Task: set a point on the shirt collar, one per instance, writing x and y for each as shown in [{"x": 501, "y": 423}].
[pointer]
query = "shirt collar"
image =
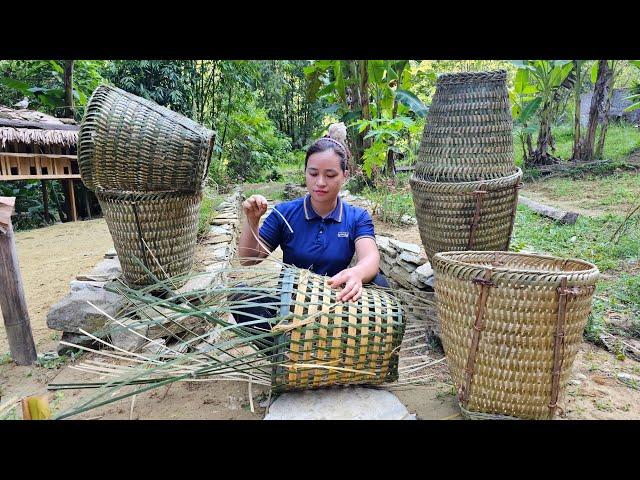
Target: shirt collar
[{"x": 310, "y": 213}]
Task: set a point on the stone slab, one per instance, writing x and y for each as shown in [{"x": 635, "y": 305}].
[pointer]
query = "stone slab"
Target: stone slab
[{"x": 339, "y": 403}]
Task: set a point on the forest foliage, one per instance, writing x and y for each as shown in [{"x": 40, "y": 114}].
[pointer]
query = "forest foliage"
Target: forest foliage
[{"x": 266, "y": 112}]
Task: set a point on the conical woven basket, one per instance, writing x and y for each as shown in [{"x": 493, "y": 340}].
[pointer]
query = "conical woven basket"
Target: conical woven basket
[
  {"x": 511, "y": 326},
  {"x": 131, "y": 144},
  {"x": 468, "y": 132},
  {"x": 159, "y": 229},
  {"x": 329, "y": 343},
  {"x": 466, "y": 215}
]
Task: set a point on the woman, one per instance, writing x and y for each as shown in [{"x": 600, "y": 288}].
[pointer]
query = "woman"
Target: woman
[{"x": 319, "y": 232}]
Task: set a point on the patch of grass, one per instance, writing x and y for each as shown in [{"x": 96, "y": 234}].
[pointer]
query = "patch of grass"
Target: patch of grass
[
  {"x": 588, "y": 239},
  {"x": 622, "y": 139},
  {"x": 391, "y": 204},
  {"x": 208, "y": 206},
  {"x": 271, "y": 191},
  {"x": 619, "y": 190},
  {"x": 5, "y": 359}
]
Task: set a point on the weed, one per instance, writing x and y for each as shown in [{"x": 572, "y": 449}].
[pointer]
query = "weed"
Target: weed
[
  {"x": 5, "y": 359},
  {"x": 603, "y": 405}
]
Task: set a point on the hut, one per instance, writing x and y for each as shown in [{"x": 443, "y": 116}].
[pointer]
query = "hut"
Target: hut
[{"x": 37, "y": 146}]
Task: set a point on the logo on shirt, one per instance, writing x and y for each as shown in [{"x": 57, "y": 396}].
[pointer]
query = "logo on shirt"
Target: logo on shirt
[{"x": 343, "y": 234}]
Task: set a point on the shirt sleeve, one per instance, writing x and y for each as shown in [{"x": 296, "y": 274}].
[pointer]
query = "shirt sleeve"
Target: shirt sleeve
[
  {"x": 271, "y": 231},
  {"x": 364, "y": 227}
]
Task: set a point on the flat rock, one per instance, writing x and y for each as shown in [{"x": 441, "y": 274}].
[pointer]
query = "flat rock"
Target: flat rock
[
  {"x": 111, "y": 253},
  {"x": 108, "y": 269},
  {"x": 73, "y": 312},
  {"x": 214, "y": 239},
  {"x": 339, "y": 403},
  {"x": 125, "y": 339},
  {"x": 413, "y": 258},
  {"x": 425, "y": 274},
  {"x": 400, "y": 246},
  {"x": 383, "y": 245},
  {"x": 76, "y": 339},
  {"x": 220, "y": 230}
]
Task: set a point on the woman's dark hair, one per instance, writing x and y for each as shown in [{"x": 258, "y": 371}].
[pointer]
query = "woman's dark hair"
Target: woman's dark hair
[{"x": 328, "y": 143}]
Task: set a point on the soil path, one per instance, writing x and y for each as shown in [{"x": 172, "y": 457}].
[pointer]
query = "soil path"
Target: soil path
[{"x": 49, "y": 259}]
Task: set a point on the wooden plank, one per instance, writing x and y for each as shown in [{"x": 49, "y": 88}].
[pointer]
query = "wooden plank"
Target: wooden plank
[
  {"x": 5, "y": 122},
  {"x": 12, "y": 299},
  {"x": 39, "y": 177},
  {"x": 72, "y": 200},
  {"x": 42, "y": 155},
  {"x": 548, "y": 211}
]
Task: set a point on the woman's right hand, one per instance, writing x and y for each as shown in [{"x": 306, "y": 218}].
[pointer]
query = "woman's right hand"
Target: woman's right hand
[{"x": 254, "y": 207}]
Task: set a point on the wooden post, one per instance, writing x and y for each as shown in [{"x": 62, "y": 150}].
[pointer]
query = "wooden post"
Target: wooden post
[
  {"x": 12, "y": 301},
  {"x": 71, "y": 200},
  {"x": 45, "y": 201}
]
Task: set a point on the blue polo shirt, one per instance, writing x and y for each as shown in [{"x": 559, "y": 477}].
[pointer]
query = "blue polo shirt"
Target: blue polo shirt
[{"x": 322, "y": 245}]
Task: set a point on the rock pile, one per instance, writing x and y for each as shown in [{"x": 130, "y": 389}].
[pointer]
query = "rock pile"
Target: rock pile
[{"x": 73, "y": 312}]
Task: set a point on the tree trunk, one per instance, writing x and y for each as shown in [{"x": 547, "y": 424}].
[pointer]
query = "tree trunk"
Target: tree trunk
[
  {"x": 540, "y": 156},
  {"x": 226, "y": 122},
  {"x": 575, "y": 155},
  {"x": 605, "y": 121},
  {"x": 69, "y": 110},
  {"x": 596, "y": 101},
  {"x": 364, "y": 100}
]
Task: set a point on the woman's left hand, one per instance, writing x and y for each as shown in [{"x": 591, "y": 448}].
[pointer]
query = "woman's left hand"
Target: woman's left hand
[{"x": 352, "y": 281}]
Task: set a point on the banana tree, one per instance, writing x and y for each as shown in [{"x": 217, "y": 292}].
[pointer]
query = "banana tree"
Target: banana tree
[
  {"x": 524, "y": 105},
  {"x": 548, "y": 76},
  {"x": 368, "y": 95}
]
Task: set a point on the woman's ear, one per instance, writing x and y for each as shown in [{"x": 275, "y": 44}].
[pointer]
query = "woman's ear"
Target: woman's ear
[{"x": 346, "y": 174}]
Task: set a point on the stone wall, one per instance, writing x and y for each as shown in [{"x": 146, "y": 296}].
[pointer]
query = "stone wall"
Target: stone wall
[{"x": 73, "y": 313}]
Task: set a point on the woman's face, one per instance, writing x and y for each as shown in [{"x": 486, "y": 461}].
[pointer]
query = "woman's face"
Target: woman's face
[{"x": 324, "y": 176}]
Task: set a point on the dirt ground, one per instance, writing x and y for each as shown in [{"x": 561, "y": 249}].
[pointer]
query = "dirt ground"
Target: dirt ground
[{"x": 50, "y": 257}]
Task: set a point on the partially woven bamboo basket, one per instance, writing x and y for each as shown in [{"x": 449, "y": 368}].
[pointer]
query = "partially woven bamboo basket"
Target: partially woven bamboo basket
[
  {"x": 158, "y": 228},
  {"x": 466, "y": 215},
  {"x": 468, "y": 132},
  {"x": 131, "y": 144},
  {"x": 511, "y": 326},
  {"x": 328, "y": 343}
]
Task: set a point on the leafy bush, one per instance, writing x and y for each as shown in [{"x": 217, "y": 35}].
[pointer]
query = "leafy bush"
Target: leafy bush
[
  {"x": 29, "y": 209},
  {"x": 254, "y": 144}
]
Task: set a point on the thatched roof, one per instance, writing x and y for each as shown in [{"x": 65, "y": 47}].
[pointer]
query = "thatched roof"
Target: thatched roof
[{"x": 32, "y": 127}]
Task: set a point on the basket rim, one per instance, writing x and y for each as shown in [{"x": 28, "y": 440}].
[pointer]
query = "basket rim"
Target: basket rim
[
  {"x": 480, "y": 76},
  {"x": 447, "y": 257},
  {"x": 166, "y": 112},
  {"x": 505, "y": 178}
]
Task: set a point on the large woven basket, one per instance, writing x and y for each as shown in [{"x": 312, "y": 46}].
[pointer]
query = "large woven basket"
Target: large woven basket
[
  {"x": 511, "y": 326},
  {"x": 466, "y": 215},
  {"x": 159, "y": 229},
  {"x": 131, "y": 144},
  {"x": 468, "y": 132},
  {"x": 329, "y": 343}
]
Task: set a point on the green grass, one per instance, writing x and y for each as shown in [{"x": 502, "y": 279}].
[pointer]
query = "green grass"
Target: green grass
[
  {"x": 210, "y": 202},
  {"x": 271, "y": 190},
  {"x": 588, "y": 239},
  {"x": 616, "y": 193},
  {"x": 390, "y": 205},
  {"x": 617, "y": 292},
  {"x": 622, "y": 139}
]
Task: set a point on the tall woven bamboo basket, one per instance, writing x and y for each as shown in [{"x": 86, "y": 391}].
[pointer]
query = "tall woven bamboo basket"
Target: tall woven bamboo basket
[
  {"x": 466, "y": 215},
  {"x": 468, "y": 132},
  {"x": 158, "y": 228},
  {"x": 328, "y": 343},
  {"x": 131, "y": 144},
  {"x": 511, "y": 326}
]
